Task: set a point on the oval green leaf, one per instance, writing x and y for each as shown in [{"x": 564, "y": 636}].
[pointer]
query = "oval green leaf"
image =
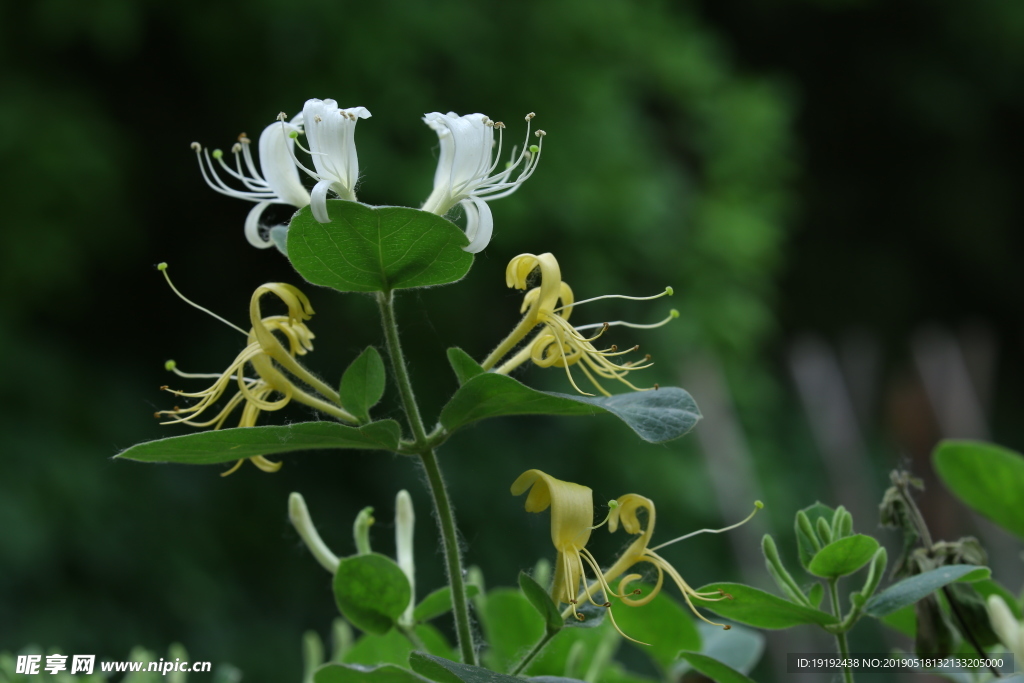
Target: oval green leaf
[
  {"x": 439, "y": 602},
  {"x": 362, "y": 385},
  {"x": 511, "y": 626},
  {"x": 656, "y": 416},
  {"x": 986, "y": 477},
  {"x": 910, "y": 590},
  {"x": 228, "y": 445},
  {"x": 713, "y": 669},
  {"x": 843, "y": 557},
  {"x": 371, "y": 591},
  {"x": 757, "y": 608},
  {"x": 377, "y": 249}
]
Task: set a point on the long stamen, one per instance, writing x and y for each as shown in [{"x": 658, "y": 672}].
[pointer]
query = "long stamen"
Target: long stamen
[
  {"x": 570, "y": 595},
  {"x": 758, "y": 505},
  {"x": 162, "y": 267},
  {"x": 561, "y": 350},
  {"x": 672, "y": 315},
  {"x": 173, "y": 367},
  {"x": 668, "y": 292},
  {"x": 685, "y": 589}
]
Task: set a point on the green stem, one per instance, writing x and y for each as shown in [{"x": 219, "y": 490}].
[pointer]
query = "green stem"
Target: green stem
[
  {"x": 844, "y": 647},
  {"x": 438, "y": 492},
  {"x": 532, "y": 654}
]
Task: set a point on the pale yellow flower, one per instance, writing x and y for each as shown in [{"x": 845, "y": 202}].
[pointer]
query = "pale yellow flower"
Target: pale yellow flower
[
  {"x": 572, "y": 512},
  {"x": 572, "y": 519},
  {"x": 271, "y": 389},
  {"x": 557, "y": 343}
]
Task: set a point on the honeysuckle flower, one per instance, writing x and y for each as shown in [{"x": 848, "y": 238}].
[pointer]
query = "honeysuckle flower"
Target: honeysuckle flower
[
  {"x": 279, "y": 182},
  {"x": 557, "y": 343},
  {"x": 572, "y": 518},
  {"x": 1006, "y": 626},
  {"x": 330, "y": 132},
  {"x": 466, "y": 170},
  {"x": 298, "y": 514},
  {"x": 625, "y": 512},
  {"x": 265, "y": 354},
  {"x": 405, "y": 523}
]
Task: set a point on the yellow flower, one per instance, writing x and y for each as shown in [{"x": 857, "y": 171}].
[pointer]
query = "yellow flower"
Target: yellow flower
[
  {"x": 557, "y": 343},
  {"x": 625, "y": 512},
  {"x": 266, "y": 355},
  {"x": 572, "y": 512},
  {"x": 572, "y": 518}
]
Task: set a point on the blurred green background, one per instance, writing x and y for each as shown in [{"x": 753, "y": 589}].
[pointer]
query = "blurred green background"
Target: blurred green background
[{"x": 831, "y": 187}]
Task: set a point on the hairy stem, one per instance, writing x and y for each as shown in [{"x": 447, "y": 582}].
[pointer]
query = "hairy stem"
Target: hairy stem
[{"x": 438, "y": 492}]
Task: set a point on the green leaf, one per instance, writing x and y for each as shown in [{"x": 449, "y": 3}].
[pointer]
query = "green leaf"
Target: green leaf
[
  {"x": 394, "y": 647},
  {"x": 816, "y": 593},
  {"x": 362, "y": 385},
  {"x": 713, "y": 669},
  {"x": 757, "y": 608},
  {"x": 377, "y": 249},
  {"x": 903, "y": 620},
  {"x": 371, "y": 649},
  {"x": 355, "y": 673},
  {"x": 446, "y": 671},
  {"x": 371, "y": 591},
  {"x": 662, "y": 623},
  {"x": 439, "y": 602},
  {"x": 463, "y": 364},
  {"x": 806, "y": 537},
  {"x": 656, "y": 415},
  {"x": 739, "y": 647},
  {"x": 511, "y": 626},
  {"x": 843, "y": 557},
  {"x": 228, "y": 445},
  {"x": 910, "y": 590},
  {"x": 986, "y": 477},
  {"x": 541, "y": 602}
]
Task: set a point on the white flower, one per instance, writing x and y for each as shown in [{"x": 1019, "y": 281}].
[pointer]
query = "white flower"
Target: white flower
[
  {"x": 330, "y": 132},
  {"x": 464, "y": 169},
  {"x": 278, "y": 184},
  {"x": 1005, "y": 624}
]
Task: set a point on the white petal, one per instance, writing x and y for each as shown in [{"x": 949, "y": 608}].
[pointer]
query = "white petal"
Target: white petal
[
  {"x": 1003, "y": 622},
  {"x": 252, "y": 227},
  {"x": 278, "y": 164},
  {"x": 330, "y": 132},
  {"x": 479, "y": 224},
  {"x": 318, "y": 201}
]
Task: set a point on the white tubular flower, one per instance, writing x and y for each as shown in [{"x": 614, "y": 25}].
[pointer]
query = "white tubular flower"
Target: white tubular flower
[
  {"x": 278, "y": 184},
  {"x": 330, "y": 132},
  {"x": 465, "y": 167},
  {"x": 1006, "y": 626},
  {"x": 405, "y": 522}
]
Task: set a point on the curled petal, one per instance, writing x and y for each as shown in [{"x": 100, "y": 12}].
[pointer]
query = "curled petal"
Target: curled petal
[
  {"x": 318, "y": 201},
  {"x": 252, "y": 227},
  {"x": 572, "y": 506},
  {"x": 479, "y": 224}
]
